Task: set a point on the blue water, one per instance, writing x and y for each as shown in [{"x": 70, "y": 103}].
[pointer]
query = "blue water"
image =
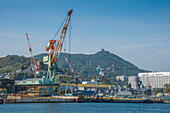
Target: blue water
[{"x": 85, "y": 108}]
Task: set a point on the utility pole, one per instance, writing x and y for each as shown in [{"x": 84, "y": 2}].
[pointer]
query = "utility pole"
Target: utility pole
[
  {"x": 124, "y": 71},
  {"x": 113, "y": 69},
  {"x": 90, "y": 68},
  {"x": 98, "y": 85}
]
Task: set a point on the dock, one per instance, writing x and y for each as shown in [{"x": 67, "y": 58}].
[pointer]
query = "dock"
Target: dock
[{"x": 75, "y": 99}]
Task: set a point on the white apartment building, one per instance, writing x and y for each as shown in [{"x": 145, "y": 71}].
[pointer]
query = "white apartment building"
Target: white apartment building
[{"x": 156, "y": 79}]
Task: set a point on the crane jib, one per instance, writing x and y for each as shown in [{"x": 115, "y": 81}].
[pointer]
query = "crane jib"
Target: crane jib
[{"x": 58, "y": 48}]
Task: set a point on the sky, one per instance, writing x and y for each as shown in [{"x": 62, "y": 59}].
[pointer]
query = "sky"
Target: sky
[{"x": 136, "y": 30}]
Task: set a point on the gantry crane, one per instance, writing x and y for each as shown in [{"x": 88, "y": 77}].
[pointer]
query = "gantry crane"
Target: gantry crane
[
  {"x": 35, "y": 65},
  {"x": 76, "y": 78},
  {"x": 55, "y": 49},
  {"x": 68, "y": 78}
]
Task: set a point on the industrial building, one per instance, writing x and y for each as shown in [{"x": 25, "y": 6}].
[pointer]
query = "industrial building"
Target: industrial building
[
  {"x": 8, "y": 84},
  {"x": 39, "y": 90},
  {"x": 155, "y": 79},
  {"x": 37, "y": 87}
]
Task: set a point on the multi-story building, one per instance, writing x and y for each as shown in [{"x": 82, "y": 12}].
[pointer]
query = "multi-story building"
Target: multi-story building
[
  {"x": 131, "y": 80},
  {"x": 155, "y": 79}
]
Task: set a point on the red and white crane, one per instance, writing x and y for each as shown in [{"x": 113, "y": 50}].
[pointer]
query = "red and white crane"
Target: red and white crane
[
  {"x": 55, "y": 48},
  {"x": 35, "y": 65},
  {"x": 31, "y": 55},
  {"x": 69, "y": 64},
  {"x": 102, "y": 72}
]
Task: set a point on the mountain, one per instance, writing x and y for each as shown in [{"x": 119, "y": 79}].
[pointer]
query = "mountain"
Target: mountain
[
  {"x": 12, "y": 63},
  {"x": 18, "y": 67},
  {"x": 85, "y": 65}
]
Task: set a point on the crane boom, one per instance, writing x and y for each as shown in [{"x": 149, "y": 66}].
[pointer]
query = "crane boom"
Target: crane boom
[
  {"x": 58, "y": 48},
  {"x": 102, "y": 73}
]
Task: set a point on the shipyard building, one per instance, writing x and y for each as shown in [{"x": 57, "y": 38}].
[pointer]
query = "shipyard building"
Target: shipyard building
[
  {"x": 39, "y": 87},
  {"x": 156, "y": 79}
]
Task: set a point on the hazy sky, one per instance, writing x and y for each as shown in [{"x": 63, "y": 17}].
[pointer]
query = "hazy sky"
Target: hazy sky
[{"x": 136, "y": 30}]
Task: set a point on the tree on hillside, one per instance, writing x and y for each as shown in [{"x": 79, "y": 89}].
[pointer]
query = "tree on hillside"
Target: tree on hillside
[{"x": 166, "y": 88}]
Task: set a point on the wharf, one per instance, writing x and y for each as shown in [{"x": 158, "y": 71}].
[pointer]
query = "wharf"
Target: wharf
[
  {"x": 121, "y": 100},
  {"x": 29, "y": 99},
  {"x": 72, "y": 99}
]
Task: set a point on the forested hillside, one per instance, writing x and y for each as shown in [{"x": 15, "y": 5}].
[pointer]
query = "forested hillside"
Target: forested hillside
[{"x": 85, "y": 65}]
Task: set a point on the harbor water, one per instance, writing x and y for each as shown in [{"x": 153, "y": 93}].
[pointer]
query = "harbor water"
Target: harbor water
[{"x": 85, "y": 108}]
